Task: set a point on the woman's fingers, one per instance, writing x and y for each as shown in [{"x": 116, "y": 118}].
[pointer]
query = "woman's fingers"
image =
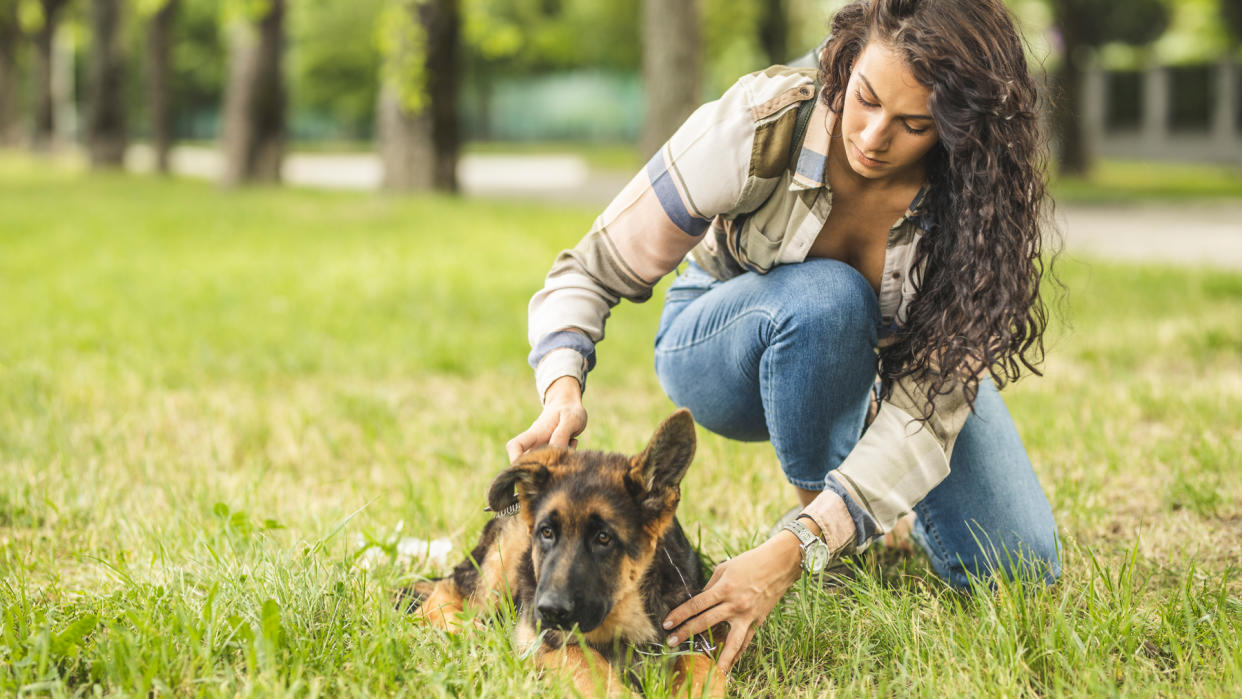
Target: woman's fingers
[
  {"x": 694, "y": 606},
  {"x": 557, "y": 426},
  {"x": 565, "y": 431},
  {"x": 735, "y": 643},
  {"x": 526, "y": 441},
  {"x": 704, "y": 621}
]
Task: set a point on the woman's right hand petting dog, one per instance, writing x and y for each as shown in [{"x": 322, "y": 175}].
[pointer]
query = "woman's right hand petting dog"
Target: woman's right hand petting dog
[{"x": 563, "y": 418}]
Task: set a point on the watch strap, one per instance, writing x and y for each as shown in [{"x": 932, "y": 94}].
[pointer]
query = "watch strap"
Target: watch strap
[{"x": 805, "y": 537}]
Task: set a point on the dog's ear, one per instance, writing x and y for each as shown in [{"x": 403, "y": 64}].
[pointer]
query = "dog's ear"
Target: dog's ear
[
  {"x": 527, "y": 476},
  {"x": 662, "y": 464}
]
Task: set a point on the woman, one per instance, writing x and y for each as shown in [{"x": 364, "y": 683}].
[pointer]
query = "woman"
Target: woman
[{"x": 898, "y": 216}]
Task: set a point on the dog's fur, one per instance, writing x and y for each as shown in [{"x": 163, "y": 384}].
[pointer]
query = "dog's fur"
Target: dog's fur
[{"x": 594, "y": 554}]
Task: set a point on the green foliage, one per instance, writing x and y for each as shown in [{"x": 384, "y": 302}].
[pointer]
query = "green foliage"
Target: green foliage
[
  {"x": 334, "y": 61},
  {"x": 247, "y": 11},
  {"x": 730, "y": 42},
  {"x": 525, "y": 36},
  {"x": 402, "y": 42},
  {"x": 1098, "y": 22},
  {"x": 144, "y": 9}
]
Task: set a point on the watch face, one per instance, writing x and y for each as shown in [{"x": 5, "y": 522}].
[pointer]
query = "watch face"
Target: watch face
[{"x": 816, "y": 556}]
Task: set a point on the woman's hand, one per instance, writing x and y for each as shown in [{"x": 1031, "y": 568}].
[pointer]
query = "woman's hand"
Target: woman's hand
[
  {"x": 742, "y": 591},
  {"x": 562, "y": 420}
]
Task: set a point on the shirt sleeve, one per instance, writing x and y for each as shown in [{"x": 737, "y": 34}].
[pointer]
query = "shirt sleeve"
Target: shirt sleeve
[
  {"x": 642, "y": 235},
  {"x": 899, "y": 460}
]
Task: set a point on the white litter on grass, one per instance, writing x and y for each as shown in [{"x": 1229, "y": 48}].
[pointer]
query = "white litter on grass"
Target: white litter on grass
[{"x": 408, "y": 552}]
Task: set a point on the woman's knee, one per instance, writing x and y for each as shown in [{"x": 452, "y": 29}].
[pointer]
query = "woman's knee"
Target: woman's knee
[{"x": 827, "y": 299}]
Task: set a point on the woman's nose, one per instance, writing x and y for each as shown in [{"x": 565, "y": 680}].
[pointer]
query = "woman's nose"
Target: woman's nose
[{"x": 875, "y": 136}]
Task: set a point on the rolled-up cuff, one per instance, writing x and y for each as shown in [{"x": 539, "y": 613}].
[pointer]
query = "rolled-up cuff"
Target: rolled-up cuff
[
  {"x": 558, "y": 363},
  {"x": 563, "y": 339},
  {"x": 865, "y": 528}
]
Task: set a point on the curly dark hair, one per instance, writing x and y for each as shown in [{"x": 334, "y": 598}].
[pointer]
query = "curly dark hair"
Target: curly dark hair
[{"x": 978, "y": 306}]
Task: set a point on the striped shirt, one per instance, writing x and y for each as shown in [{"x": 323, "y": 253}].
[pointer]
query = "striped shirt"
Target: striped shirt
[{"x": 726, "y": 192}]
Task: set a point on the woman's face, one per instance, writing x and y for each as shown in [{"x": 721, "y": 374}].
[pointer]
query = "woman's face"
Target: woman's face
[{"x": 886, "y": 125}]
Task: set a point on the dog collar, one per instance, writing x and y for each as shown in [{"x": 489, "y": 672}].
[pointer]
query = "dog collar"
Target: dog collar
[{"x": 509, "y": 511}]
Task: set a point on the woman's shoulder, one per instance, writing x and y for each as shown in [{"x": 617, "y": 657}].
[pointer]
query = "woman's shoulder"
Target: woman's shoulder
[{"x": 769, "y": 91}]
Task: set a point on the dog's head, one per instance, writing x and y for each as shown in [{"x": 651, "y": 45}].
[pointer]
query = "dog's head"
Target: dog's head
[{"x": 595, "y": 519}]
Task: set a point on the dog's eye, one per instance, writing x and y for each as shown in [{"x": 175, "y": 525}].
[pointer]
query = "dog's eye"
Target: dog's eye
[
  {"x": 546, "y": 532},
  {"x": 603, "y": 538}
]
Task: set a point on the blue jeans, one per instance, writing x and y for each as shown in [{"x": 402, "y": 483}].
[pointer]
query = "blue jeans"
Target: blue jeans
[{"x": 790, "y": 357}]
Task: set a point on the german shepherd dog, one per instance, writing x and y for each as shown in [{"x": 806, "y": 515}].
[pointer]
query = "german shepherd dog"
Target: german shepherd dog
[{"x": 589, "y": 546}]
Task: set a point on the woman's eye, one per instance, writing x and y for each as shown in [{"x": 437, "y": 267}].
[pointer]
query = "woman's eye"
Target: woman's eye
[
  {"x": 603, "y": 539},
  {"x": 546, "y": 532},
  {"x": 911, "y": 129},
  {"x": 863, "y": 102}
]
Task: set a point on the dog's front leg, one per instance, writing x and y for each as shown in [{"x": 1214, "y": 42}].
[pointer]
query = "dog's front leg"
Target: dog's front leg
[
  {"x": 586, "y": 668},
  {"x": 699, "y": 675},
  {"x": 442, "y": 606}
]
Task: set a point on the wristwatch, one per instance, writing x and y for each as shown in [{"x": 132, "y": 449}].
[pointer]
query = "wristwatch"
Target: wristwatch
[{"x": 815, "y": 553}]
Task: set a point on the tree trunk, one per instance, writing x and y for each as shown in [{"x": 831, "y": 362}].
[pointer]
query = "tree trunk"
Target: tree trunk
[
  {"x": 10, "y": 33},
  {"x": 442, "y": 20},
  {"x": 774, "y": 31},
  {"x": 419, "y": 151},
  {"x": 254, "y": 103},
  {"x": 405, "y": 144},
  {"x": 159, "y": 71},
  {"x": 105, "y": 116},
  {"x": 45, "y": 103},
  {"x": 1073, "y": 150},
  {"x": 671, "y": 68}
]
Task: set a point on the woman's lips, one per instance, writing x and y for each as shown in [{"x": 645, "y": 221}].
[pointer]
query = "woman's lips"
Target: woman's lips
[{"x": 869, "y": 162}]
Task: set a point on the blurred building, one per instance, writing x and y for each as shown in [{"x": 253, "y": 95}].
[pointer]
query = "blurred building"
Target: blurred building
[{"x": 1166, "y": 112}]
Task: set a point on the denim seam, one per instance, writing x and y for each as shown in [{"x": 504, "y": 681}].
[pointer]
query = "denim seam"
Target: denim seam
[
  {"x": 698, "y": 341},
  {"x": 940, "y": 555},
  {"x": 770, "y": 407}
]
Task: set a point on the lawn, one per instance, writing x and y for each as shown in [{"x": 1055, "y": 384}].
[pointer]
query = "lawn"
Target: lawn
[{"x": 211, "y": 401}]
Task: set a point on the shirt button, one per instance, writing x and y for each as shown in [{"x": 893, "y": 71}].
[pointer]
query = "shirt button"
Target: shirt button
[
  {"x": 887, "y": 319},
  {"x": 896, "y": 275}
]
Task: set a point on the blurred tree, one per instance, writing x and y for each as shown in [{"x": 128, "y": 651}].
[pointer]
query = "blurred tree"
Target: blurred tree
[
  {"x": 334, "y": 61},
  {"x": 1231, "y": 13},
  {"x": 417, "y": 114},
  {"x": 198, "y": 70},
  {"x": 774, "y": 31},
  {"x": 253, "y": 131},
  {"x": 106, "y": 135},
  {"x": 510, "y": 38},
  {"x": 44, "y": 15},
  {"x": 158, "y": 16},
  {"x": 1084, "y": 25},
  {"x": 672, "y": 67},
  {"x": 10, "y": 34}
]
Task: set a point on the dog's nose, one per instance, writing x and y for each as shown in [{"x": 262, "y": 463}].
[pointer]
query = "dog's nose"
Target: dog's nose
[{"x": 555, "y": 611}]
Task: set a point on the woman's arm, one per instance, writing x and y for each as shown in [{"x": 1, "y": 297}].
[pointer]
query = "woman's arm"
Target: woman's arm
[{"x": 703, "y": 171}]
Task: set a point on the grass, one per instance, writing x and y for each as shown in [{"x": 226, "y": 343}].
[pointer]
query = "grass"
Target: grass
[
  {"x": 208, "y": 398},
  {"x": 1125, "y": 181}
]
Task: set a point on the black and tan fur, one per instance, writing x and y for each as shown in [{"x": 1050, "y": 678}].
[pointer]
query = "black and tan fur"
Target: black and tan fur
[{"x": 595, "y": 553}]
